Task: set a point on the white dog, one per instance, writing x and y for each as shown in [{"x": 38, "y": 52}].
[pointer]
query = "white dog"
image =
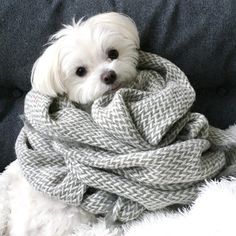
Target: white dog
[
  {"x": 83, "y": 60},
  {"x": 88, "y": 58}
]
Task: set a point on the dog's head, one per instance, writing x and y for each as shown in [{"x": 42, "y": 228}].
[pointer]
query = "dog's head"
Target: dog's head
[{"x": 88, "y": 58}]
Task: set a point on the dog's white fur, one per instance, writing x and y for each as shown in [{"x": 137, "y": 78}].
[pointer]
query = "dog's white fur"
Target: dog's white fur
[{"x": 85, "y": 44}]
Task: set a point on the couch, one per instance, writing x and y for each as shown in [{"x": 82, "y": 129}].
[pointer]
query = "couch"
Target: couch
[{"x": 198, "y": 36}]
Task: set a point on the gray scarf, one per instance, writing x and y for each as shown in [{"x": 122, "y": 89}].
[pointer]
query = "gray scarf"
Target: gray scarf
[{"x": 140, "y": 149}]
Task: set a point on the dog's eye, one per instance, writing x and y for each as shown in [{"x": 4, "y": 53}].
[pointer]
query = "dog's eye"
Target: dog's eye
[
  {"x": 113, "y": 54},
  {"x": 81, "y": 71}
]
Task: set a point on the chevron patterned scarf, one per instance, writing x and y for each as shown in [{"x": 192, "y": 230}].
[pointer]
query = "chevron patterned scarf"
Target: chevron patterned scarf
[{"x": 140, "y": 149}]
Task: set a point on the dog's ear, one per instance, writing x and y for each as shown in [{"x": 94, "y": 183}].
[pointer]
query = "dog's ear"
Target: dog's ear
[{"x": 46, "y": 76}]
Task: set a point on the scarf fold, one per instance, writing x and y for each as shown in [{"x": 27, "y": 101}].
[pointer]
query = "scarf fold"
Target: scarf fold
[{"x": 140, "y": 149}]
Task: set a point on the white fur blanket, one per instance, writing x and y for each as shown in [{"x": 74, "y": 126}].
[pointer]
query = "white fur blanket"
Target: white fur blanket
[{"x": 213, "y": 213}]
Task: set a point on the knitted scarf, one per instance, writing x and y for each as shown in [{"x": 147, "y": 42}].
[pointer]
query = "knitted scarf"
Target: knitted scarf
[{"x": 140, "y": 149}]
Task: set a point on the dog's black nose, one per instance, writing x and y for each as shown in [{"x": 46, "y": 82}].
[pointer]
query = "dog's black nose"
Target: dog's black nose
[{"x": 109, "y": 77}]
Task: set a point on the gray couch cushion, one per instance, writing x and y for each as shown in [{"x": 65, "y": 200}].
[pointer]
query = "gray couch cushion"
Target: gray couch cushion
[{"x": 198, "y": 36}]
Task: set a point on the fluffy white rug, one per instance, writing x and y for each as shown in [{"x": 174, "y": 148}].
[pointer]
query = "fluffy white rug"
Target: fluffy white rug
[{"x": 212, "y": 214}]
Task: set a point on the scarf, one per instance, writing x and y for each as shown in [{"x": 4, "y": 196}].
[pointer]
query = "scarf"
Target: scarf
[{"x": 140, "y": 149}]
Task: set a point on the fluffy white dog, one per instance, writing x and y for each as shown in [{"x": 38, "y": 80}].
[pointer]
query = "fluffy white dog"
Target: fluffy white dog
[
  {"x": 89, "y": 58},
  {"x": 83, "y": 60}
]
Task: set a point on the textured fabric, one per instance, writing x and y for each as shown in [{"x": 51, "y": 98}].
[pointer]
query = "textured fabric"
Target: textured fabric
[
  {"x": 140, "y": 149},
  {"x": 198, "y": 36}
]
